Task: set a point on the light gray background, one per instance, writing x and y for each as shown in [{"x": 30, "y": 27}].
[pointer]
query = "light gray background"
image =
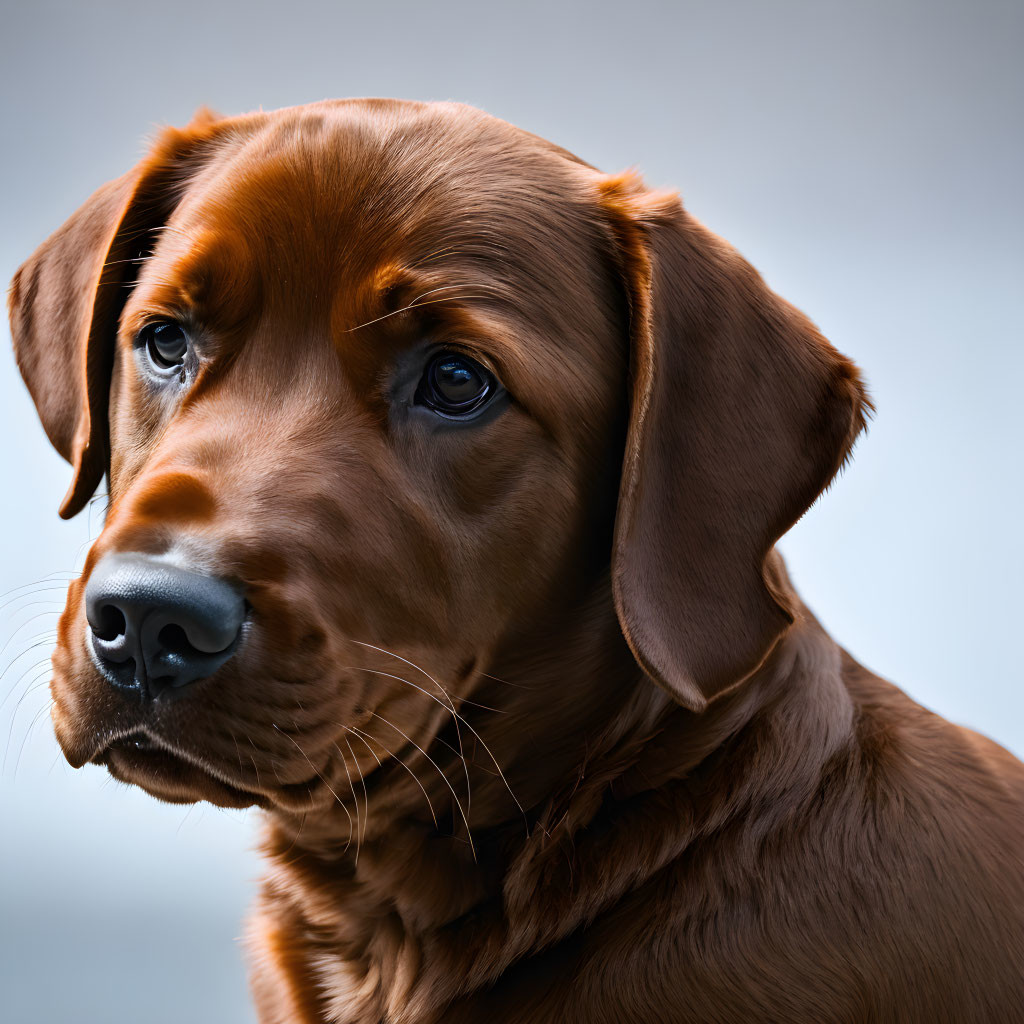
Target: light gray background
[{"x": 866, "y": 157}]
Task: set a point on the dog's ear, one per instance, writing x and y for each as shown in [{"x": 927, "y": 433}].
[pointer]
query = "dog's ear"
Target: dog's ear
[
  {"x": 65, "y": 300},
  {"x": 741, "y": 414}
]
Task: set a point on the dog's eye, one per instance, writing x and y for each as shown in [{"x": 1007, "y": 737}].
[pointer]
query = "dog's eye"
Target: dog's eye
[
  {"x": 456, "y": 385},
  {"x": 166, "y": 345}
]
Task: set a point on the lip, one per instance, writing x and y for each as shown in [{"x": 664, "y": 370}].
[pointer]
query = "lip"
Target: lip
[{"x": 170, "y": 775}]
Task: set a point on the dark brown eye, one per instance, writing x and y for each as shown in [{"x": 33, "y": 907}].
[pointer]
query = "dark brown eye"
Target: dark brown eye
[
  {"x": 455, "y": 385},
  {"x": 166, "y": 345}
]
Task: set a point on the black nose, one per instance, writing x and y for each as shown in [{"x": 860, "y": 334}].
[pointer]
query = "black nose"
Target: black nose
[{"x": 156, "y": 628}]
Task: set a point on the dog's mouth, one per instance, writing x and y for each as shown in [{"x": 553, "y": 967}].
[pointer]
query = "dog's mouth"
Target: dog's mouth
[
  {"x": 176, "y": 776},
  {"x": 170, "y": 775}
]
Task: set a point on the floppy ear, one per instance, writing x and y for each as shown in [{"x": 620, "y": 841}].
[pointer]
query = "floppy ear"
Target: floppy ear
[
  {"x": 741, "y": 414},
  {"x": 65, "y": 300}
]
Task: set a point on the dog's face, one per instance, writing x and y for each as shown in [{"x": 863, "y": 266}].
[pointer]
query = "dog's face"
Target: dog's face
[{"x": 369, "y": 371}]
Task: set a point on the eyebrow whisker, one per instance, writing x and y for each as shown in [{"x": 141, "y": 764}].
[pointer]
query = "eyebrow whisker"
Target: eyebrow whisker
[{"x": 416, "y": 304}]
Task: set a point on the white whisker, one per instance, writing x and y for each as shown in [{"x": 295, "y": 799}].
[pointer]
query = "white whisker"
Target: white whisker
[
  {"x": 454, "y": 712},
  {"x": 316, "y": 772},
  {"x": 455, "y": 796},
  {"x": 360, "y": 734}
]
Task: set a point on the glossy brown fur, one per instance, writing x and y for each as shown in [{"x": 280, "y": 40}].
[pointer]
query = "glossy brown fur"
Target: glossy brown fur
[{"x": 542, "y": 730}]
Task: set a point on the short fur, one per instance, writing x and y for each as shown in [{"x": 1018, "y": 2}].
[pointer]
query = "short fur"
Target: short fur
[{"x": 479, "y": 805}]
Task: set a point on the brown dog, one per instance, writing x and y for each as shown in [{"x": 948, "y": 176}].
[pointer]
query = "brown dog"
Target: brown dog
[{"x": 431, "y": 450}]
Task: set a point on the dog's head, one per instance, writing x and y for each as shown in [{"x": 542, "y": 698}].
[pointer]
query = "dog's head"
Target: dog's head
[{"x": 385, "y": 384}]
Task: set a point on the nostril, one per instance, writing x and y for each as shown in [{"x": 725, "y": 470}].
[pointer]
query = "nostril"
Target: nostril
[
  {"x": 174, "y": 640},
  {"x": 111, "y": 624}
]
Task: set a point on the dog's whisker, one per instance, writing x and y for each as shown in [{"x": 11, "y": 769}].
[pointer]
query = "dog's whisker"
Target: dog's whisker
[
  {"x": 28, "y": 732},
  {"x": 131, "y": 259},
  {"x": 445, "y": 250},
  {"x": 455, "y": 796},
  {"x": 174, "y": 228},
  {"x": 476, "y": 764},
  {"x": 46, "y": 639},
  {"x": 48, "y": 578},
  {"x": 449, "y": 707},
  {"x": 273, "y": 768},
  {"x": 466, "y": 702},
  {"x": 452, "y": 708},
  {"x": 187, "y": 815},
  {"x": 316, "y": 772},
  {"x": 36, "y": 639},
  {"x": 27, "y": 622},
  {"x": 62, "y": 588},
  {"x": 14, "y": 714},
  {"x": 506, "y": 682},
  {"x": 368, "y": 747},
  {"x": 413, "y": 305},
  {"x": 415, "y": 777},
  {"x": 355, "y": 802},
  {"x": 366, "y": 793},
  {"x": 37, "y": 682},
  {"x": 355, "y": 799},
  {"x": 34, "y": 667},
  {"x": 238, "y": 752},
  {"x": 352, "y": 790},
  {"x": 92, "y": 504},
  {"x": 255, "y": 766}
]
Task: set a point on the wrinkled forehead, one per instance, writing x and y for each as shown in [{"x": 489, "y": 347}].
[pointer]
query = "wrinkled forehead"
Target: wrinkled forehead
[{"x": 333, "y": 213}]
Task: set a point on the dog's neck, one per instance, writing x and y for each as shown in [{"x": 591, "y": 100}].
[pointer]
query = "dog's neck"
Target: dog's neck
[{"x": 588, "y": 747}]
